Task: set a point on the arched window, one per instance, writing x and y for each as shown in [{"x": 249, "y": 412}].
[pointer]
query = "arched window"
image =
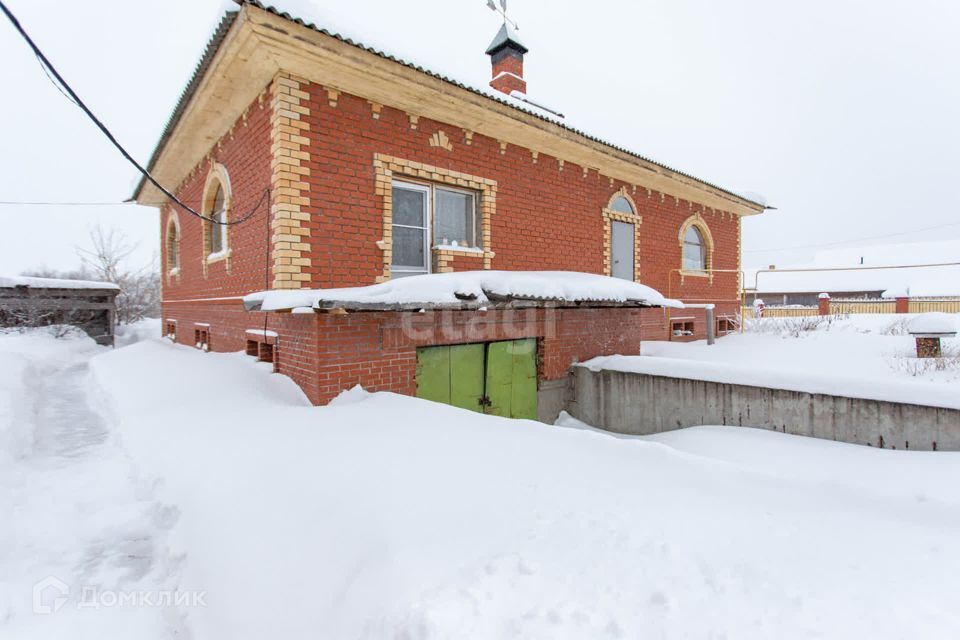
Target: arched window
[
  {"x": 694, "y": 250},
  {"x": 172, "y": 243},
  {"x": 216, "y": 206},
  {"x": 621, "y": 246},
  {"x": 621, "y": 205},
  {"x": 217, "y": 233}
]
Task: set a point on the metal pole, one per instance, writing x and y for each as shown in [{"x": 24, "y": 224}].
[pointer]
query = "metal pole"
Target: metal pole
[{"x": 711, "y": 327}]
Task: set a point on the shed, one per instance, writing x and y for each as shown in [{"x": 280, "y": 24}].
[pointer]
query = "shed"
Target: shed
[{"x": 36, "y": 302}]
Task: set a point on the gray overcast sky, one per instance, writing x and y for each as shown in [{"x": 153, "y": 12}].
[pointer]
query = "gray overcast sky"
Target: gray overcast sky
[{"x": 844, "y": 114}]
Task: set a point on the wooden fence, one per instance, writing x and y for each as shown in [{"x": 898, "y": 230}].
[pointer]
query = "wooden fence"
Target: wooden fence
[
  {"x": 862, "y": 306},
  {"x": 783, "y": 312},
  {"x": 847, "y": 307},
  {"x": 925, "y": 305}
]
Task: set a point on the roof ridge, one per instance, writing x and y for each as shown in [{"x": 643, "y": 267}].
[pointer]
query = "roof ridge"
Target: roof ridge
[{"x": 217, "y": 39}]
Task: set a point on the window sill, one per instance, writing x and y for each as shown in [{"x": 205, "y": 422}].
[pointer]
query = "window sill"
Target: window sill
[
  {"x": 696, "y": 274},
  {"x": 450, "y": 248},
  {"x": 402, "y": 273},
  {"x": 218, "y": 256}
]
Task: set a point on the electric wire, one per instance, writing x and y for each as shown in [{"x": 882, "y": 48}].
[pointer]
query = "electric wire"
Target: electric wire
[
  {"x": 840, "y": 242},
  {"x": 65, "y": 88},
  {"x": 42, "y": 203},
  {"x": 57, "y": 80}
]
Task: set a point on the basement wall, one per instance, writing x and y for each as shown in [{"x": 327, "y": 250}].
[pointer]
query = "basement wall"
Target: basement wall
[{"x": 642, "y": 404}]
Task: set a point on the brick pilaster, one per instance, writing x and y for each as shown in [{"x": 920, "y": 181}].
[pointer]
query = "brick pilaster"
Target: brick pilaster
[{"x": 289, "y": 144}]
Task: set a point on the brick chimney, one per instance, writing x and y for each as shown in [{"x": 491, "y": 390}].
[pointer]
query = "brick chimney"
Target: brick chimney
[{"x": 506, "y": 55}]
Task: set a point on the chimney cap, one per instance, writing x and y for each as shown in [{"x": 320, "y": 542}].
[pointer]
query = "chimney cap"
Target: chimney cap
[{"x": 506, "y": 37}]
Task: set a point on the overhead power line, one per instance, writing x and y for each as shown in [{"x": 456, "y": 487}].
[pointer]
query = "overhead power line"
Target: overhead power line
[
  {"x": 35, "y": 203},
  {"x": 71, "y": 95},
  {"x": 840, "y": 242}
]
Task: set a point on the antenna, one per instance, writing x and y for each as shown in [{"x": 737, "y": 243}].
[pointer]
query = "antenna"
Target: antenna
[{"x": 502, "y": 10}]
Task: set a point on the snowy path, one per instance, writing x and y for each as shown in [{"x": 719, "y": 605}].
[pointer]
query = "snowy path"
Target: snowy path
[
  {"x": 82, "y": 519},
  {"x": 66, "y": 427}
]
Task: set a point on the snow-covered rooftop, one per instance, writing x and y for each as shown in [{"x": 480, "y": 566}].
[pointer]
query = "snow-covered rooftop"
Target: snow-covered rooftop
[
  {"x": 394, "y": 45},
  {"x": 468, "y": 290},
  {"x": 52, "y": 283}
]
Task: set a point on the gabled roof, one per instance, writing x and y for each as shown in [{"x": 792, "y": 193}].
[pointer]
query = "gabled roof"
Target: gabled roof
[
  {"x": 229, "y": 19},
  {"x": 213, "y": 45}
]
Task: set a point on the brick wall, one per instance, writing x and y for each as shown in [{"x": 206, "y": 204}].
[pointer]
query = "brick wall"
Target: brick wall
[
  {"x": 548, "y": 216},
  {"x": 328, "y": 353},
  {"x": 245, "y": 153}
]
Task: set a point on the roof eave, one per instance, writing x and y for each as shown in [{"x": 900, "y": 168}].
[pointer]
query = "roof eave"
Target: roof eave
[
  {"x": 209, "y": 53},
  {"x": 230, "y": 19}
]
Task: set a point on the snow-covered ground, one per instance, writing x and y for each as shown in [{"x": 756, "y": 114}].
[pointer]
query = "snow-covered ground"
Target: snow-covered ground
[
  {"x": 73, "y": 508},
  {"x": 860, "y": 356},
  {"x": 167, "y": 470}
]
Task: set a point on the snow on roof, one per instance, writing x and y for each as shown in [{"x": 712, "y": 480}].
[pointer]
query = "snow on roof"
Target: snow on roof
[
  {"x": 392, "y": 45},
  {"x": 838, "y": 271},
  {"x": 53, "y": 283},
  {"x": 916, "y": 282},
  {"x": 934, "y": 322},
  {"x": 470, "y": 289}
]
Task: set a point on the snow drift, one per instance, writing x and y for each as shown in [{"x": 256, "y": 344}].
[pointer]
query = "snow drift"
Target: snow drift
[{"x": 386, "y": 516}]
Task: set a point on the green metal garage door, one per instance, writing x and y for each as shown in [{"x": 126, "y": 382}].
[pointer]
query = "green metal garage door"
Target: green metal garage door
[{"x": 499, "y": 378}]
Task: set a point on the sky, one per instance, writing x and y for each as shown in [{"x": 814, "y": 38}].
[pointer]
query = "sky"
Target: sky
[{"x": 843, "y": 114}]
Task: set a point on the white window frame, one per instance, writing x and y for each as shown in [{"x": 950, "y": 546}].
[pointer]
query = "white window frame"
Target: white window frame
[
  {"x": 427, "y": 228},
  {"x": 703, "y": 250},
  {"x": 473, "y": 215}
]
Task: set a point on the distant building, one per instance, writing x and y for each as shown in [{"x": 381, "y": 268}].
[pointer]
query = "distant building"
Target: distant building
[
  {"x": 870, "y": 273},
  {"x": 36, "y": 302}
]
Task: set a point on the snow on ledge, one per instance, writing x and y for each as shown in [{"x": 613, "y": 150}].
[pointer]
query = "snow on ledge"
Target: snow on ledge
[
  {"x": 905, "y": 392},
  {"x": 935, "y": 322},
  {"x": 53, "y": 283},
  {"x": 262, "y": 333},
  {"x": 467, "y": 288}
]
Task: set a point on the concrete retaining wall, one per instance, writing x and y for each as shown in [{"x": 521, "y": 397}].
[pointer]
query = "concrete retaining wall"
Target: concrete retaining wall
[{"x": 641, "y": 404}]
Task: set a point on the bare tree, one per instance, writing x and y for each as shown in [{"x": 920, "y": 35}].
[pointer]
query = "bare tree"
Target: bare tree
[
  {"x": 108, "y": 250},
  {"x": 106, "y": 260}
]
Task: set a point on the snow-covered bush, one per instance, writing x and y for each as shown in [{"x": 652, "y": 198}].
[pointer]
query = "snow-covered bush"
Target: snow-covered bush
[
  {"x": 907, "y": 362},
  {"x": 898, "y": 327},
  {"x": 792, "y": 327}
]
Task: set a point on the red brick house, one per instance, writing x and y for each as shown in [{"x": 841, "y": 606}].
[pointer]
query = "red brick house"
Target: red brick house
[{"x": 376, "y": 169}]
